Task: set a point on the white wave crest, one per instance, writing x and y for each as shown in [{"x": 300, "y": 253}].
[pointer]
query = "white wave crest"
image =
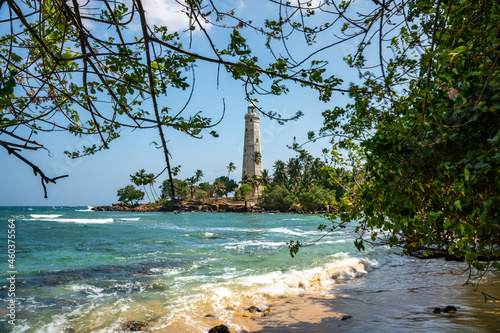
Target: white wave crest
[
  {"x": 45, "y": 216},
  {"x": 286, "y": 231},
  {"x": 278, "y": 283},
  {"x": 167, "y": 271},
  {"x": 82, "y": 221},
  {"x": 86, "y": 288},
  {"x": 242, "y": 245},
  {"x": 237, "y": 292},
  {"x": 89, "y": 209}
]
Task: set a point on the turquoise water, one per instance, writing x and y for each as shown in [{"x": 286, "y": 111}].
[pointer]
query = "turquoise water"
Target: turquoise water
[{"x": 94, "y": 271}]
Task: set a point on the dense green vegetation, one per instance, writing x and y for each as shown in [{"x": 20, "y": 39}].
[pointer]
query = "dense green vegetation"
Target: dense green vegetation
[
  {"x": 304, "y": 181},
  {"x": 191, "y": 188},
  {"x": 428, "y": 139},
  {"x": 130, "y": 194}
]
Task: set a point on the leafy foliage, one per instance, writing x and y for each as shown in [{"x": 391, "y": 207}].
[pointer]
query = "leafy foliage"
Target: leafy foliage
[
  {"x": 417, "y": 144},
  {"x": 316, "y": 198},
  {"x": 181, "y": 188},
  {"x": 219, "y": 187},
  {"x": 242, "y": 192},
  {"x": 303, "y": 180},
  {"x": 430, "y": 136},
  {"x": 58, "y": 72},
  {"x": 279, "y": 198},
  {"x": 141, "y": 178},
  {"x": 130, "y": 194},
  {"x": 229, "y": 184}
]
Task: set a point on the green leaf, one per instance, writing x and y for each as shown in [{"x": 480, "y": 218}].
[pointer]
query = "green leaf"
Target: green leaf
[
  {"x": 393, "y": 239},
  {"x": 460, "y": 49},
  {"x": 467, "y": 174}
]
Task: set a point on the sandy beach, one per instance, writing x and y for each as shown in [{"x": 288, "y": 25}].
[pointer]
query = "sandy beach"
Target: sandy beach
[
  {"x": 394, "y": 298},
  {"x": 403, "y": 301}
]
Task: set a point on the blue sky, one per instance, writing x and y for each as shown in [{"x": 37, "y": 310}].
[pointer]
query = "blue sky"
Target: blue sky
[{"x": 94, "y": 180}]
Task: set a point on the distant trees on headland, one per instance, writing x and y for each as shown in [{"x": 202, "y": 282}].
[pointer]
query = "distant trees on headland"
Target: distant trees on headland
[{"x": 303, "y": 181}]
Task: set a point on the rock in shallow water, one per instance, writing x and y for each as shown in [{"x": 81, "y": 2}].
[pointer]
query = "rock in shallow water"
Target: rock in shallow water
[
  {"x": 450, "y": 309},
  {"x": 135, "y": 326},
  {"x": 219, "y": 329}
]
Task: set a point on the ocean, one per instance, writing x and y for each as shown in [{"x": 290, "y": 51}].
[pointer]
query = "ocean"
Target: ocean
[{"x": 75, "y": 270}]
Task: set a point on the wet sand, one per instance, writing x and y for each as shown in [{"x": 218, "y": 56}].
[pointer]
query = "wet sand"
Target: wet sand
[
  {"x": 398, "y": 297},
  {"x": 391, "y": 299}
]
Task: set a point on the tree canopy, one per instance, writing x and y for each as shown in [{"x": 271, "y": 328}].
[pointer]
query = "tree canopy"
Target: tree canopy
[
  {"x": 130, "y": 194},
  {"x": 60, "y": 72},
  {"x": 419, "y": 137},
  {"x": 428, "y": 139}
]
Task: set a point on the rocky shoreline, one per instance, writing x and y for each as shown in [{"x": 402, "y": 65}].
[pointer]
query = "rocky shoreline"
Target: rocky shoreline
[{"x": 222, "y": 206}]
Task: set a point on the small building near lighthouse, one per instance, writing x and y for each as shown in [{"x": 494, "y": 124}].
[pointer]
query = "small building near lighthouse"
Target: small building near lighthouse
[{"x": 252, "y": 154}]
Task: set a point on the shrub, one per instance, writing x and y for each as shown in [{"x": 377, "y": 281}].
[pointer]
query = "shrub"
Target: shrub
[{"x": 278, "y": 197}]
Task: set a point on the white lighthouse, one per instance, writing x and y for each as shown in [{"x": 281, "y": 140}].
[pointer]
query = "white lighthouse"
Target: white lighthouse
[{"x": 252, "y": 155}]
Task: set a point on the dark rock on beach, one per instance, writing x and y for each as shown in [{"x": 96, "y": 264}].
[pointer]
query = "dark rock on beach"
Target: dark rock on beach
[
  {"x": 219, "y": 329},
  {"x": 346, "y": 317},
  {"x": 135, "y": 326},
  {"x": 448, "y": 309},
  {"x": 253, "y": 309}
]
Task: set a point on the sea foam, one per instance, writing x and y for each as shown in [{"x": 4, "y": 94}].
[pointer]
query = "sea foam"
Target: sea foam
[
  {"x": 254, "y": 243},
  {"x": 45, "y": 216},
  {"x": 82, "y": 221},
  {"x": 89, "y": 209}
]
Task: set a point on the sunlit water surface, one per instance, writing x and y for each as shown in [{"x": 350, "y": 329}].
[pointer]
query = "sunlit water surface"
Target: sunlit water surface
[{"x": 94, "y": 271}]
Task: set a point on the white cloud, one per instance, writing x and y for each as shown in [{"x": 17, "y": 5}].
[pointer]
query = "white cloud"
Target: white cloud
[{"x": 166, "y": 13}]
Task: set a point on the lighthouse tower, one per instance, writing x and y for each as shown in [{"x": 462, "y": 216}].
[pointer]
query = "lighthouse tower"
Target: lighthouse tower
[{"x": 252, "y": 157}]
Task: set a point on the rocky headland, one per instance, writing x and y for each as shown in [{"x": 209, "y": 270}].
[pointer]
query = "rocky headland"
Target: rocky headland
[{"x": 222, "y": 205}]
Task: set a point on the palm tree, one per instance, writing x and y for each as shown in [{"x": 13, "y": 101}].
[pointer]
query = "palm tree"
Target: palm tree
[
  {"x": 280, "y": 176},
  {"x": 307, "y": 180},
  {"x": 143, "y": 178},
  {"x": 230, "y": 168},
  {"x": 254, "y": 183},
  {"x": 265, "y": 178},
  {"x": 193, "y": 180},
  {"x": 257, "y": 157},
  {"x": 245, "y": 179},
  {"x": 294, "y": 169},
  {"x": 181, "y": 187},
  {"x": 305, "y": 160},
  {"x": 192, "y": 185},
  {"x": 219, "y": 187},
  {"x": 198, "y": 175},
  {"x": 151, "y": 179},
  {"x": 316, "y": 165}
]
